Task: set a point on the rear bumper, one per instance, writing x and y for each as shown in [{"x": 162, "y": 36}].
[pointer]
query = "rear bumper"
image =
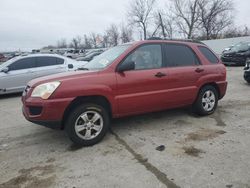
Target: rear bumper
[
  {"x": 223, "y": 88},
  {"x": 48, "y": 113}
]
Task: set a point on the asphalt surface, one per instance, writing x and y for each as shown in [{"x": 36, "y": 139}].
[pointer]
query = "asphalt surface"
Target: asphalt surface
[{"x": 165, "y": 149}]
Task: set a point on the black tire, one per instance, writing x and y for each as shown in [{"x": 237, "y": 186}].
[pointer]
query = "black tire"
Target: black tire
[
  {"x": 198, "y": 107},
  {"x": 74, "y": 117}
]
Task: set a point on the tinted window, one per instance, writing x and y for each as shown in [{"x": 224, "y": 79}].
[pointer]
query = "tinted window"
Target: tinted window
[
  {"x": 48, "y": 61},
  {"x": 25, "y": 63},
  {"x": 180, "y": 55},
  {"x": 59, "y": 61},
  {"x": 208, "y": 54},
  {"x": 146, "y": 57}
]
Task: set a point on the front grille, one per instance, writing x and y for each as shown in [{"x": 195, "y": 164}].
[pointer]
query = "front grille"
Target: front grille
[{"x": 35, "y": 110}]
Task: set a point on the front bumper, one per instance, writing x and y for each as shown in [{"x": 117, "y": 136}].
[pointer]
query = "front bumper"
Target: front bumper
[
  {"x": 47, "y": 113},
  {"x": 233, "y": 60}
]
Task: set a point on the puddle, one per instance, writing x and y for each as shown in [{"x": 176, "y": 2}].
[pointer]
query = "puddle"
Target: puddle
[
  {"x": 217, "y": 117},
  {"x": 39, "y": 176},
  {"x": 192, "y": 151},
  {"x": 204, "y": 134}
]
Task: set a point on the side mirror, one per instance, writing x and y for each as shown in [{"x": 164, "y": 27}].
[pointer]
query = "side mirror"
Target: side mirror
[
  {"x": 5, "y": 69},
  {"x": 70, "y": 66},
  {"x": 130, "y": 65}
]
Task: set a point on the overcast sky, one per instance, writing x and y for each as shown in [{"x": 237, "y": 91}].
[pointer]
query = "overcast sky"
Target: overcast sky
[{"x": 30, "y": 24}]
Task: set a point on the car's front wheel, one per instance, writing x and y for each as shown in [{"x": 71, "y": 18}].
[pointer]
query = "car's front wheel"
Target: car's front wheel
[
  {"x": 206, "y": 102},
  {"x": 87, "y": 124}
]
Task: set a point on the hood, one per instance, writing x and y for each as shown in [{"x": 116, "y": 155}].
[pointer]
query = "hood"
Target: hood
[
  {"x": 229, "y": 52},
  {"x": 61, "y": 77}
]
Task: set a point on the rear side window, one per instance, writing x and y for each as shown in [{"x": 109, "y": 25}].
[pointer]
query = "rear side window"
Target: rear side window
[
  {"x": 180, "y": 55},
  {"x": 48, "y": 61},
  {"x": 25, "y": 63},
  {"x": 208, "y": 54}
]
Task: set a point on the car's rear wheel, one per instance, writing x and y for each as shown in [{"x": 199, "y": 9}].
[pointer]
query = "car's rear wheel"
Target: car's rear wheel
[
  {"x": 87, "y": 124},
  {"x": 206, "y": 102}
]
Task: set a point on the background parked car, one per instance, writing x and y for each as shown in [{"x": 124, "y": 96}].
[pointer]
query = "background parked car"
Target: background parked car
[
  {"x": 74, "y": 53},
  {"x": 15, "y": 73},
  {"x": 247, "y": 71},
  {"x": 237, "y": 55},
  {"x": 228, "y": 48},
  {"x": 2, "y": 58},
  {"x": 89, "y": 57}
]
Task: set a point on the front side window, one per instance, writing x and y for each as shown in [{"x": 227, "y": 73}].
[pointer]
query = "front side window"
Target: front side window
[
  {"x": 25, "y": 63},
  {"x": 180, "y": 55},
  {"x": 48, "y": 61},
  {"x": 146, "y": 57}
]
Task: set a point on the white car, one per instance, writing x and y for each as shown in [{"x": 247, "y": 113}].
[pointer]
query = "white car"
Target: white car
[{"x": 18, "y": 71}]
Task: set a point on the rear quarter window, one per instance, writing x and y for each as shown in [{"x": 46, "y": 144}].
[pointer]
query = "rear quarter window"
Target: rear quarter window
[{"x": 208, "y": 54}]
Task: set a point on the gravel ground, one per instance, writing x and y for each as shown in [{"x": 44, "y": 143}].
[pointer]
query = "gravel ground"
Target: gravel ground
[{"x": 194, "y": 151}]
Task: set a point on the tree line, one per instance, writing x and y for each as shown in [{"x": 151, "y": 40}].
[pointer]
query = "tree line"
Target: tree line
[{"x": 188, "y": 19}]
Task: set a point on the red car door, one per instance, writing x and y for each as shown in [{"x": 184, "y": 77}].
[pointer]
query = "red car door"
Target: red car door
[
  {"x": 183, "y": 70},
  {"x": 142, "y": 90}
]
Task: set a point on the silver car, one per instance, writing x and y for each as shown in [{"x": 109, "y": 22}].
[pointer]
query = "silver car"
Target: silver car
[{"x": 17, "y": 72}]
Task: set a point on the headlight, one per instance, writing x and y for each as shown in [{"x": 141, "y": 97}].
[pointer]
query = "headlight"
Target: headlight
[{"x": 45, "y": 90}]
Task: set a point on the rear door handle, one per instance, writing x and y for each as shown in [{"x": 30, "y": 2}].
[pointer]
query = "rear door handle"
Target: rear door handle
[
  {"x": 199, "y": 70},
  {"x": 160, "y": 74}
]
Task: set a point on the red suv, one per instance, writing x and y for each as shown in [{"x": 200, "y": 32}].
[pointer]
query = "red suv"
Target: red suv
[{"x": 126, "y": 80}]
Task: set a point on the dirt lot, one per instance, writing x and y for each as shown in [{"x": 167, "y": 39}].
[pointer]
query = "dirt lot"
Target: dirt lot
[{"x": 199, "y": 152}]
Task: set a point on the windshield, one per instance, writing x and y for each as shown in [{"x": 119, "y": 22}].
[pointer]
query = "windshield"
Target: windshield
[
  {"x": 106, "y": 58},
  {"x": 241, "y": 47}
]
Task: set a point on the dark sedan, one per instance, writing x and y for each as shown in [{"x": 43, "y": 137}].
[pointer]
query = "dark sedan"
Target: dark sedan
[
  {"x": 237, "y": 55},
  {"x": 247, "y": 72}
]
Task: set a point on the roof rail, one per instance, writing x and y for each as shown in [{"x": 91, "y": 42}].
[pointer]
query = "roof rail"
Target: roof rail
[
  {"x": 181, "y": 40},
  {"x": 155, "y": 38}
]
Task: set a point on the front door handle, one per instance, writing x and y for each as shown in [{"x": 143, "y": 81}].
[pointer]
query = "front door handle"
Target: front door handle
[
  {"x": 160, "y": 74},
  {"x": 199, "y": 70}
]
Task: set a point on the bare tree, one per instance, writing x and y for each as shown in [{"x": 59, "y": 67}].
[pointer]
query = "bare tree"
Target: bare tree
[
  {"x": 93, "y": 39},
  {"x": 140, "y": 13},
  {"x": 113, "y": 35},
  {"x": 246, "y": 31},
  {"x": 187, "y": 16},
  {"x": 215, "y": 16},
  {"x": 62, "y": 43},
  {"x": 164, "y": 24},
  {"x": 87, "y": 42},
  {"x": 76, "y": 42},
  {"x": 126, "y": 33},
  {"x": 105, "y": 40},
  {"x": 234, "y": 31}
]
